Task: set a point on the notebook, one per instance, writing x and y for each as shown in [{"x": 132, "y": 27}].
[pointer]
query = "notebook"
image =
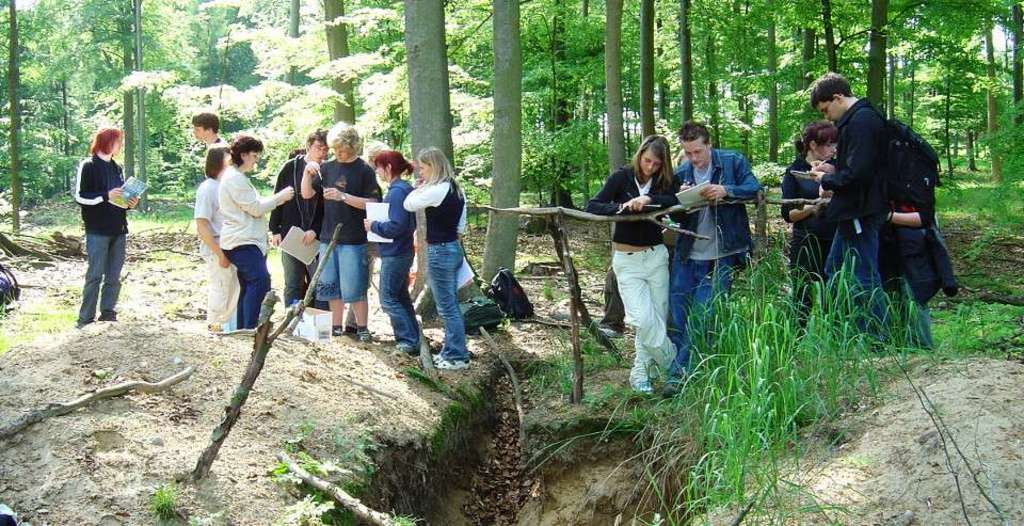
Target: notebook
[
  {"x": 691, "y": 196},
  {"x": 292, "y": 244}
]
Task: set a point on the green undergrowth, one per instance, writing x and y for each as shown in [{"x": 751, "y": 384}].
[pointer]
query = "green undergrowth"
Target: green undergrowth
[
  {"x": 760, "y": 377},
  {"x": 51, "y": 316}
]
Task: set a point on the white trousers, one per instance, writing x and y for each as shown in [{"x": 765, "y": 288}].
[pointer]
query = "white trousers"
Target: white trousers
[
  {"x": 223, "y": 292},
  {"x": 643, "y": 285}
]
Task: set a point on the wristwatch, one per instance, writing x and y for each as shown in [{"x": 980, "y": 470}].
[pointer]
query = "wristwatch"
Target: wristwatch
[{"x": 344, "y": 196}]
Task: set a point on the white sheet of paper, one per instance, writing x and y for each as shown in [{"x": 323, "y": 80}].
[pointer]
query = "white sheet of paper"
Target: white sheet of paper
[
  {"x": 292, "y": 244},
  {"x": 465, "y": 274},
  {"x": 691, "y": 196},
  {"x": 377, "y": 212}
]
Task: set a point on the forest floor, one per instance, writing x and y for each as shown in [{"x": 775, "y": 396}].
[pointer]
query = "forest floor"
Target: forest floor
[{"x": 361, "y": 407}]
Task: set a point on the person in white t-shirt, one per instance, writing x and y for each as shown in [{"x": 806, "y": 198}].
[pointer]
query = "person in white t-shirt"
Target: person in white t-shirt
[{"x": 223, "y": 288}]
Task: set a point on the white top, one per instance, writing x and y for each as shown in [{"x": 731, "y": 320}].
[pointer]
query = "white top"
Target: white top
[
  {"x": 208, "y": 208},
  {"x": 243, "y": 210},
  {"x": 428, "y": 195}
]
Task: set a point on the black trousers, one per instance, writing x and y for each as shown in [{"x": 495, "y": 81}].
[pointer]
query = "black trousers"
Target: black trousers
[{"x": 807, "y": 255}]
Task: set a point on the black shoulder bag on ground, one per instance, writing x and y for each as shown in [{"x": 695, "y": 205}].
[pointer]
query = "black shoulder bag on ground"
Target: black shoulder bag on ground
[{"x": 509, "y": 295}]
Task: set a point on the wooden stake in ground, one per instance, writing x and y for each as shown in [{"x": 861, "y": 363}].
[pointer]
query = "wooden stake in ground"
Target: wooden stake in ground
[
  {"x": 557, "y": 227},
  {"x": 360, "y": 510},
  {"x": 59, "y": 409},
  {"x": 265, "y": 336}
]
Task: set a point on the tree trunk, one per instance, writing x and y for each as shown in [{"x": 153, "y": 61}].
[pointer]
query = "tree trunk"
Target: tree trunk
[
  {"x": 13, "y": 77},
  {"x": 586, "y": 8},
  {"x": 806, "y": 57},
  {"x": 911, "y": 95},
  {"x": 876, "y": 53},
  {"x": 430, "y": 120},
  {"x": 66, "y": 130},
  {"x": 830, "y": 39},
  {"x": 293, "y": 32},
  {"x": 709, "y": 49},
  {"x": 686, "y": 58},
  {"x": 500, "y": 246},
  {"x": 128, "y": 49},
  {"x": 949, "y": 154},
  {"x": 773, "y": 87},
  {"x": 1018, "y": 61},
  {"x": 141, "y": 93},
  {"x": 993, "y": 107},
  {"x": 647, "y": 66},
  {"x": 891, "y": 91},
  {"x": 972, "y": 164},
  {"x": 743, "y": 103},
  {"x": 613, "y": 83},
  {"x": 337, "y": 47}
]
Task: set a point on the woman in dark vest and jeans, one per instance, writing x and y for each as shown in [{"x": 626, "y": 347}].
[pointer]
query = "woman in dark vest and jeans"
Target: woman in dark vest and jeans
[
  {"x": 812, "y": 234},
  {"x": 445, "y": 206}
]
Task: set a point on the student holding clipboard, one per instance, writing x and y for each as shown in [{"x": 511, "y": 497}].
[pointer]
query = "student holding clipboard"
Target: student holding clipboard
[{"x": 640, "y": 258}]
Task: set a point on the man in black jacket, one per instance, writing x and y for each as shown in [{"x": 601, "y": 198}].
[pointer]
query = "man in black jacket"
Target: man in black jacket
[
  {"x": 306, "y": 214},
  {"x": 856, "y": 181}
]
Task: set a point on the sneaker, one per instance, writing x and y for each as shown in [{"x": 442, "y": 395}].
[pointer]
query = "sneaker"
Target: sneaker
[
  {"x": 450, "y": 365},
  {"x": 643, "y": 387},
  {"x": 364, "y": 335},
  {"x": 108, "y": 316},
  {"x": 79, "y": 324},
  {"x": 337, "y": 330},
  {"x": 407, "y": 349}
]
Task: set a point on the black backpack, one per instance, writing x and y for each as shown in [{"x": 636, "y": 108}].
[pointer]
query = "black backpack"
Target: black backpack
[
  {"x": 480, "y": 312},
  {"x": 9, "y": 289},
  {"x": 510, "y": 296},
  {"x": 912, "y": 169}
]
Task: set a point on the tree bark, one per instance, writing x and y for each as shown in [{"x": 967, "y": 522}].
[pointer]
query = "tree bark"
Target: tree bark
[
  {"x": 876, "y": 53},
  {"x": 613, "y": 84},
  {"x": 686, "y": 59},
  {"x": 129, "y": 97},
  {"x": 586, "y": 8},
  {"x": 430, "y": 119},
  {"x": 65, "y": 130},
  {"x": 13, "y": 78},
  {"x": 972, "y": 164},
  {"x": 806, "y": 57},
  {"x": 993, "y": 106},
  {"x": 946, "y": 126},
  {"x": 500, "y": 246},
  {"x": 647, "y": 66},
  {"x": 337, "y": 48},
  {"x": 912, "y": 94},
  {"x": 1018, "y": 62},
  {"x": 141, "y": 94},
  {"x": 773, "y": 87},
  {"x": 293, "y": 32},
  {"x": 713, "y": 94},
  {"x": 830, "y": 39},
  {"x": 891, "y": 91}
]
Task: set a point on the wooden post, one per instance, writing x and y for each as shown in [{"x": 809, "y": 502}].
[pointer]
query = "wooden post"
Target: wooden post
[
  {"x": 761, "y": 224},
  {"x": 557, "y": 227}
]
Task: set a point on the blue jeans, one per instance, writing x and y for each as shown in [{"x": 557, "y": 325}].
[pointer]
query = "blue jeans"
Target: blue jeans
[
  {"x": 106, "y": 257},
  {"x": 346, "y": 275},
  {"x": 859, "y": 251},
  {"x": 693, "y": 285},
  {"x": 443, "y": 263},
  {"x": 395, "y": 299},
  {"x": 254, "y": 280}
]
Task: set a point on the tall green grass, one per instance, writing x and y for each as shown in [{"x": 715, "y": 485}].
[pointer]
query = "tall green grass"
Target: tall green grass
[{"x": 761, "y": 376}]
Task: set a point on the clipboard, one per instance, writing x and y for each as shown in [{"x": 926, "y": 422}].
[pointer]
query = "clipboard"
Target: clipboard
[
  {"x": 293, "y": 246},
  {"x": 691, "y": 196},
  {"x": 378, "y": 212}
]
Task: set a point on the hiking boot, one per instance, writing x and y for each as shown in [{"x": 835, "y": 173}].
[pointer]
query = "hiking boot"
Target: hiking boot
[
  {"x": 79, "y": 324},
  {"x": 610, "y": 332},
  {"x": 672, "y": 386},
  {"x": 450, "y": 365},
  {"x": 108, "y": 316}
]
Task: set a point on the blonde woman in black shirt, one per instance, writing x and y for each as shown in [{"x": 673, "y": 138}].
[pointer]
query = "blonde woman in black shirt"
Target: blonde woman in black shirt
[{"x": 640, "y": 258}]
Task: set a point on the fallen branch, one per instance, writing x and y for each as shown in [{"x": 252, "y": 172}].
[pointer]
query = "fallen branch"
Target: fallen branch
[
  {"x": 517, "y": 392},
  {"x": 59, "y": 409},
  {"x": 265, "y": 336},
  {"x": 360, "y": 510}
]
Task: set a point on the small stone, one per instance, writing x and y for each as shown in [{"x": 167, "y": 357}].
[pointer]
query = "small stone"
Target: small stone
[
  {"x": 177, "y": 360},
  {"x": 100, "y": 373},
  {"x": 156, "y": 441}
]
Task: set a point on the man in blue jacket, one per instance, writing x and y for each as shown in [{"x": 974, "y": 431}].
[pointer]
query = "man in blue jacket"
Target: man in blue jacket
[{"x": 702, "y": 268}]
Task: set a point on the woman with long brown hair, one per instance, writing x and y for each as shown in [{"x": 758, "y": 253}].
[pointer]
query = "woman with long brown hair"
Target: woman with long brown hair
[{"x": 640, "y": 258}]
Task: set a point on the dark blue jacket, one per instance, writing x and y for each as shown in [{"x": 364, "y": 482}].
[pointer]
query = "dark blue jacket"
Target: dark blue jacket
[
  {"x": 401, "y": 225},
  {"x": 731, "y": 170}
]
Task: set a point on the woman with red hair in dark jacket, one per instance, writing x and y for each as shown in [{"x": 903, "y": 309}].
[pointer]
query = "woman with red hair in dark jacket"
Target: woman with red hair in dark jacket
[{"x": 98, "y": 186}]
